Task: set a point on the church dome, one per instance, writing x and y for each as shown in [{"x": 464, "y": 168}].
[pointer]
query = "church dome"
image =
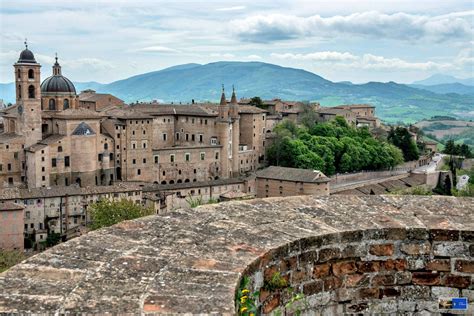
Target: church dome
[
  {"x": 26, "y": 56},
  {"x": 57, "y": 83}
]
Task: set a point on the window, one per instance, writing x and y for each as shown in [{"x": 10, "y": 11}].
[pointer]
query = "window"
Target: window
[
  {"x": 139, "y": 172},
  {"x": 172, "y": 158},
  {"x": 60, "y": 149},
  {"x": 205, "y": 122},
  {"x": 203, "y": 156},
  {"x": 42, "y": 169},
  {"x": 164, "y": 136},
  {"x": 217, "y": 155},
  {"x": 200, "y": 138},
  {"x": 144, "y": 132},
  {"x": 177, "y": 136},
  {"x": 106, "y": 146},
  {"x": 144, "y": 160},
  {"x": 134, "y": 145},
  {"x": 66, "y": 104},
  {"x": 53, "y": 162},
  {"x": 192, "y": 138},
  {"x": 31, "y": 92},
  {"x": 187, "y": 137},
  {"x": 31, "y": 74},
  {"x": 1, "y": 167},
  {"x": 144, "y": 144},
  {"x": 19, "y": 91},
  {"x": 133, "y": 132},
  {"x": 99, "y": 157},
  {"x": 66, "y": 161},
  {"x": 52, "y": 105},
  {"x": 187, "y": 157},
  {"x": 134, "y": 161},
  {"x": 213, "y": 140},
  {"x": 157, "y": 159}
]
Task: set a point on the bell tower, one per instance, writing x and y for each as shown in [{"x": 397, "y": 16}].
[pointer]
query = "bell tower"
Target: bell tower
[{"x": 28, "y": 96}]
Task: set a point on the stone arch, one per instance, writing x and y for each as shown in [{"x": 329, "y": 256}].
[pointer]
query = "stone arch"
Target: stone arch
[
  {"x": 362, "y": 271},
  {"x": 66, "y": 104},
  {"x": 179, "y": 181},
  {"x": 171, "y": 181},
  {"x": 31, "y": 74},
  {"x": 163, "y": 182}
]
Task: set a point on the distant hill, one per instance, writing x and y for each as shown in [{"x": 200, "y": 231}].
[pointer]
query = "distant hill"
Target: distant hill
[
  {"x": 437, "y": 79},
  {"x": 394, "y": 102},
  {"x": 444, "y": 88}
]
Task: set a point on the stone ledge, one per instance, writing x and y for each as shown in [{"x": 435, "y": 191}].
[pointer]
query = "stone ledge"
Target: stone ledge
[{"x": 192, "y": 260}]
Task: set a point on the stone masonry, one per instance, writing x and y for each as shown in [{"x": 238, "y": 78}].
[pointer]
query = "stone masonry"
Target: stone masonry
[{"x": 417, "y": 248}]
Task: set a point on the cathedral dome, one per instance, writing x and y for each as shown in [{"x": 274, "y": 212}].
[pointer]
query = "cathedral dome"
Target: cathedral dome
[
  {"x": 26, "y": 56},
  {"x": 57, "y": 83}
]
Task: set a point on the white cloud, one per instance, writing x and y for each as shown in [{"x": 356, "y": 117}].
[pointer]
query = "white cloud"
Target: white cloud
[
  {"x": 254, "y": 57},
  {"x": 318, "y": 56},
  {"x": 236, "y": 8},
  {"x": 158, "y": 49},
  {"x": 365, "y": 61},
  {"x": 223, "y": 55},
  {"x": 402, "y": 26}
]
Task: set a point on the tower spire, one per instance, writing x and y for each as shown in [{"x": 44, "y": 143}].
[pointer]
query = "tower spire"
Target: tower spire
[
  {"x": 26, "y": 43},
  {"x": 56, "y": 66},
  {"x": 223, "y": 100},
  {"x": 233, "y": 99}
]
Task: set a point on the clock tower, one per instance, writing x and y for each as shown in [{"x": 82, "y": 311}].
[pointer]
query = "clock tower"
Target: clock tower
[{"x": 28, "y": 96}]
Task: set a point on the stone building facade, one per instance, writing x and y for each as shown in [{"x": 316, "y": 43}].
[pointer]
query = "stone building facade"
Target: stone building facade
[
  {"x": 11, "y": 226},
  {"x": 281, "y": 181},
  {"x": 54, "y": 137}
]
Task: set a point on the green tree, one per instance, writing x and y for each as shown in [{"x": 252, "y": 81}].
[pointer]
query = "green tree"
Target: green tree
[
  {"x": 450, "y": 147},
  {"x": 105, "y": 213},
  {"x": 401, "y": 138},
  {"x": 256, "y": 101}
]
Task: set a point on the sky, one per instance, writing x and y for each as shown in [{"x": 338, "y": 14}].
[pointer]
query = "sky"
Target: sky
[{"x": 341, "y": 40}]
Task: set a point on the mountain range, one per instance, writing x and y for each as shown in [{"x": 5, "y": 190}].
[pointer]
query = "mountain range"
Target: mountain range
[{"x": 183, "y": 83}]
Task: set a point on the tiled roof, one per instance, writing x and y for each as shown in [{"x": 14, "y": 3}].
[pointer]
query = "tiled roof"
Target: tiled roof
[
  {"x": 9, "y": 206},
  {"x": 249, "y": 109},
  {"x": 354, "y": 106},
  {"x": 93, "y": 97},
  {"x": 75, "y": 114},
  {"x": 292, "y": 174},
  {"x": 8, "y": 137},
  {"x": 333, "y": 111},
  {"x": 171, "y": 109}
]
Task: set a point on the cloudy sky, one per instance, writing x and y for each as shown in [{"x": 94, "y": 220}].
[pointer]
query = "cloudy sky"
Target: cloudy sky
[{"x": 356, "y": 40}]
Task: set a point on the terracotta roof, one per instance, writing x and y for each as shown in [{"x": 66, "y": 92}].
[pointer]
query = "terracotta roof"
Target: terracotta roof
[
  {"x": 172, "y": 109},
  {"x": 9, "y": 206},
  {"x": 333, "y": 111},
  {"x": 8, "y": 137},
  {"x": 249, "y": 109},
  {"x": 75, "y": 114},
  {"x": 292, "y": 174},
  {"x": 127, "y": 114},
  {"x": 177, "y": 186},
  {"x": 355, "y": 106},
  {"x": 94, "y": 97}
]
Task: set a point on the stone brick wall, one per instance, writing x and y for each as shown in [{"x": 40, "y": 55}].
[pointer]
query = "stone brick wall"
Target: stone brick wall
[{"x": 373, "y": 271}]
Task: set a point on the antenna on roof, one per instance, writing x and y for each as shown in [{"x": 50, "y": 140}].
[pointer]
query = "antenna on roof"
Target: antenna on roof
[{"x": 56, "y": 57}]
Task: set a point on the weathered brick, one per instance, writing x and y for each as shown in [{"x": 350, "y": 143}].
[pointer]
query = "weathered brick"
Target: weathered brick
[
  {"x": 269, "y": 272},
  {"x": 368, "y": 266},
  {"x": 426, "y": 278},
  {"x": 439, "y": 265},
  {"x": 413, "y": 292},
  {"x": 383, "y": 279},
  {"x": 457, "y": 281},
  {"x": 471, "y": 250},
  {"x": 395, "y": 264},
  {"x": 342, "y": 268},
  {"x": 308, "y": 257},
  {"x": 466, "y": 266},
  {"x": 442, "y": 291},
  {"x": 332, "y": 282},
  {"x": 403, "y": 277},
  {"x": 329, "y": 254},
  {"x": 381, "y": 250},
  {"x": 271, "y": 304},
  {"x": 344, "y": 295},
  {"x": 416, "y": 263},
  {"x": 467, "y": 235},
  {"x": 418, "y": 248},
  {"x": 313, "y": 287},
  {"x": 389, "y": 292},
  {"x": 321, "y": 270},
  {"x": 264, "y": 294},
  {"x": 368, "y": 293},
  {"x": 351, "y": 236},
  {"x": 356, "y": 308},
  {"x": 354, "y": 251},
  {"x": 450, "y": 249},
  {"x": 444, "y": 235},
  {"x": 288, "y": 264},
  {"x": 299, "y": 276},
  {"x": 356, "y": 280},
  {"x": 417, "y": 234}
]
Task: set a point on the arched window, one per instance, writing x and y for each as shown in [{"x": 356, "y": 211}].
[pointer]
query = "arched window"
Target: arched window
[
  {"x": 60, "y": 149},
  {"x": 31, "y": 92},
  {"x": 106, "y": 146},
  {"x": 19, "y": 74},
  {"x": 66, "y": 104},
  {"x": 31, "y": 74},
  {"x": 19, "y": 91},
  {"x": 52, "y": 104}
]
